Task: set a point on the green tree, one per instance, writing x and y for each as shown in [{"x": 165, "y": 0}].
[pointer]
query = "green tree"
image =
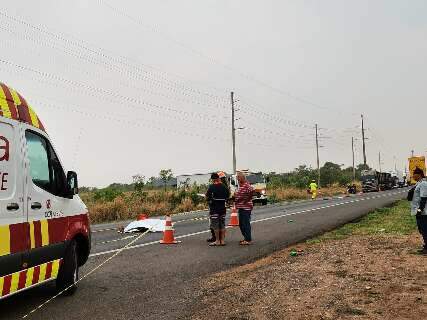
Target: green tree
[
  {"x": 138, "y": 183},
  {"x": 165, "y": 176},
  {"x": 330, "y": 174}
]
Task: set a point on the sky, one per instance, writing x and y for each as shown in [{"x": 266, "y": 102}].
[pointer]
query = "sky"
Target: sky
[{"x": 133, "y": 87}]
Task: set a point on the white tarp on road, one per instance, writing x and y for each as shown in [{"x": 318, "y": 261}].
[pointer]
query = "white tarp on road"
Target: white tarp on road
[{"x": 155, "y": 225}]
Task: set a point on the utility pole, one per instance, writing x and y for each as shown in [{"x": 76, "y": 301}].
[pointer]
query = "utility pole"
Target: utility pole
[
  {"x": 379, "y": 161},
  {"x": 317, "y": 151},
  {"x": 364, "y": 141},
  {"x": 233, "y": 131},
  {"x": 352, "y": 150}
]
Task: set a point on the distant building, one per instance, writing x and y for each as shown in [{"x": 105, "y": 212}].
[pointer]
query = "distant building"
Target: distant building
[{"x": 159, "y": 183}]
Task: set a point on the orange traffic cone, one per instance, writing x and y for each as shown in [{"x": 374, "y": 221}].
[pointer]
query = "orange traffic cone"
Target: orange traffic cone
[
  {"x": 168, "y": 234},
  {"x": 234, "y": 220},
  {"x": 142, "y": 216}
]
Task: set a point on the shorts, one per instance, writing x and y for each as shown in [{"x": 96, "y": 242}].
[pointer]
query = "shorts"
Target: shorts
[{"x": 217, "y": 223}]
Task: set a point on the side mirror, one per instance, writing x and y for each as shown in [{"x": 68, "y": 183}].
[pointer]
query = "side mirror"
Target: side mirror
[{"x": 72, "y": 184}]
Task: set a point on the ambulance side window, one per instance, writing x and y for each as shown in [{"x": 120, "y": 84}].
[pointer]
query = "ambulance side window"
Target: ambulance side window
[
  {"x": 45, "y": 168},
  {"x": 39, "y": 161}
]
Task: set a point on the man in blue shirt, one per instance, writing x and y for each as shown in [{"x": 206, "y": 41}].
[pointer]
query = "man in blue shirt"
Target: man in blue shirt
[{"x": 418, "y": 205}]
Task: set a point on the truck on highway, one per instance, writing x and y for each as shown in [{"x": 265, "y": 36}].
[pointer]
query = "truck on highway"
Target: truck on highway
[
  {"x": 374, "y": 181},
  {"x": 416, "y": 162},
  {"x": 257, "y": 181},
  {"x": 398, "y": 178},
  {"x": 44, "y": 225}
]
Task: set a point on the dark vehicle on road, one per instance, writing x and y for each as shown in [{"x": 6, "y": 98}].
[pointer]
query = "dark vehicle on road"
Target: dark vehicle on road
[{"x": 374, "y": 181}]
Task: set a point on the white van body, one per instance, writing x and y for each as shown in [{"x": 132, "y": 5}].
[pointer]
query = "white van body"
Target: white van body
[{"x": 44, "y": 225}]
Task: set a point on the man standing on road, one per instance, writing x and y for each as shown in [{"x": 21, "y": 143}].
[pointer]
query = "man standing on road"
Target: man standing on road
[
  {"x": 243, "y": 201},
  {"x": 418, "y": 206},
  {"x": 217, "y": 196},
  {"x": 223, "y": 178},
  {"x": 313, "y": 189}
]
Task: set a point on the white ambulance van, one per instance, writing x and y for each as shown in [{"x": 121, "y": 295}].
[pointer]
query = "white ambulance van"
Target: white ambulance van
[{"x": 44, "y": 225}]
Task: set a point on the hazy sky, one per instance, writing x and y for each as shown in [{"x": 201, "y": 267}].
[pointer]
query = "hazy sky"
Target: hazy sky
[{"x": 126, "y": 87}]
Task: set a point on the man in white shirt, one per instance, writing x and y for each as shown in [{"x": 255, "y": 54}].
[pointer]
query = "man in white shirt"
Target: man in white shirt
[{"x": 418, "y": 205}]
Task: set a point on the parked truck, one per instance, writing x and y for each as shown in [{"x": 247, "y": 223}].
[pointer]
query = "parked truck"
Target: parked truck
[
  {"x": 257, "y": 181},
  {"x": 416, "y": 162},
  {"x": 374, "y": 181}
]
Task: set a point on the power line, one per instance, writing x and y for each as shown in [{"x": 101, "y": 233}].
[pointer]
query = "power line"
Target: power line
[
  {"x": 212, "y": 60},
  {"x": 100, "y": 52},
  {"x": 95, "y": 74},
  {"x": 103, "y": 92}
]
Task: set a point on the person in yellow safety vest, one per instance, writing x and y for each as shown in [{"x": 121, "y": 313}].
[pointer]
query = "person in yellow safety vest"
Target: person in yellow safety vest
[{"x": 313, "y": 189}]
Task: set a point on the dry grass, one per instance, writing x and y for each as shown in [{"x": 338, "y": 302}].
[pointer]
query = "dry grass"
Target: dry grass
[
  {"x": 128, "y": 205},
  {"x": 283, "y": 194}
]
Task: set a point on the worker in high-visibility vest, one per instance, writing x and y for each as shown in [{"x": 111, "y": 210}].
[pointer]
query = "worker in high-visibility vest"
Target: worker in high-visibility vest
[{"x": 313, "y": 189}]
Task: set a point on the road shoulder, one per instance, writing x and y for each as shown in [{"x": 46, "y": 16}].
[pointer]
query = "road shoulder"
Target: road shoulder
[{"x": 367, "y": 269}]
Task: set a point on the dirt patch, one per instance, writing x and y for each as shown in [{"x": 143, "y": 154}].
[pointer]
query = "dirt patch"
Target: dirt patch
[{"x": 361, "y": 277}]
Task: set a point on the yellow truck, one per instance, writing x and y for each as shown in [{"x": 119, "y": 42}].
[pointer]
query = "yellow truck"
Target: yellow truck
[{"x": 416, "y": 162}]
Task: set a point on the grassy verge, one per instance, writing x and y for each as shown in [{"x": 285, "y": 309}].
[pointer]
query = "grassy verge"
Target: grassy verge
[
  {"x": 112, "y": 205},
  {"x": 393, "y": 220}
]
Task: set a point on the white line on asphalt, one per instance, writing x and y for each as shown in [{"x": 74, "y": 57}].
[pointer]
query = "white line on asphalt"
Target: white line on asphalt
[{"x": 255, "y": 221}]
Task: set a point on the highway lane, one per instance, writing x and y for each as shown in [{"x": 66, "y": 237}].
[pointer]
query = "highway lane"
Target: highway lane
[
  {"x": 151, "y": 281},
  {"x": 106, "y": 238}
]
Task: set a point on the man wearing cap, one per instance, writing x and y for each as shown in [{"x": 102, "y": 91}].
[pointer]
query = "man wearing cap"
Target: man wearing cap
[
  {"x": 223, "y": 178},
  {"x": 418, "y": 205},
  {"x": 217, "y": 196}
]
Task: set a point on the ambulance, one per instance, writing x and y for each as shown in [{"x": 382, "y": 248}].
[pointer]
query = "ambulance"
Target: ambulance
[{"x": 44, "y": 225}]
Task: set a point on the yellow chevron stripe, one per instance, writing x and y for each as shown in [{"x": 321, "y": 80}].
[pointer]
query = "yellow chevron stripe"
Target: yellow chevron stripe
[
  {"x": 55, "y": 268},
  {"x": 32, "y": 239},
  {"x": 1, "y": 285},
  {"x": 15, "y": 282},
  {"x": 42, "y": 276},
  {"x": 45, "y": 232},
  {"x": 4, "y": 240},
  {"x": 29, "y": 280},
  {"x": 4, "y": 106},
  {"x": 15, "y": 97},
  {"x": 34, "y": 119}
]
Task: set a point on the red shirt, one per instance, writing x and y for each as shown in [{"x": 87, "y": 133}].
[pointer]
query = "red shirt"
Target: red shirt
[{"x": 243, "y": 197}]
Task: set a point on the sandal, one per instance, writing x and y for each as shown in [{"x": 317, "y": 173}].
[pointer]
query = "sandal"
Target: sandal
[{"x": 245, "y": 243}]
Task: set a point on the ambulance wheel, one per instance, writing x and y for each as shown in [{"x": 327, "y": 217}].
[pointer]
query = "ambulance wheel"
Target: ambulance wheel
[{"x": 69, "y": 271}]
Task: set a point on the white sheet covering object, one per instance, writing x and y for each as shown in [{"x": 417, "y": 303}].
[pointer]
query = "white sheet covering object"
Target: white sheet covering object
[{"x": 155, "y": 225}]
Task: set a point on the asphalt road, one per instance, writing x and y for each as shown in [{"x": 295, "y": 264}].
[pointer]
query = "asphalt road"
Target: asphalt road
[{"x": 153, "y": 281}]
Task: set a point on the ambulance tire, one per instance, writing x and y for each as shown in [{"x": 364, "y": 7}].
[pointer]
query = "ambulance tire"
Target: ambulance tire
[{"x": 69, "y": 271}]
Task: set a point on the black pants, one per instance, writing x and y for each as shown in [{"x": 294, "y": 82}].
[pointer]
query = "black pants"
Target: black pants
[
  {"x": 422, "y": 227},
  {"x": 245, "y": 224}
]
